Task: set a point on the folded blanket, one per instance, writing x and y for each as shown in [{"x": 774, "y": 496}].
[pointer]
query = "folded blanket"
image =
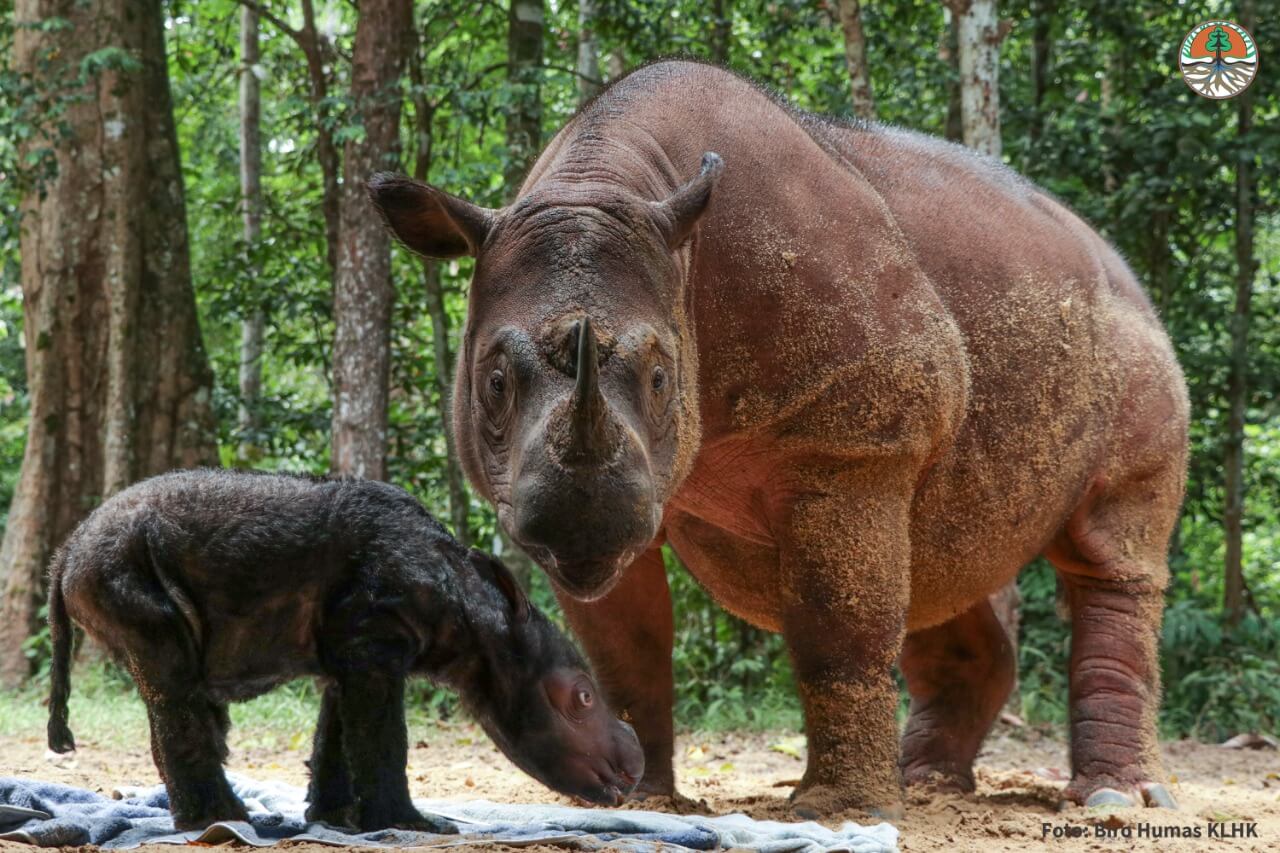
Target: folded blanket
[{"x": 48, "y": 814}]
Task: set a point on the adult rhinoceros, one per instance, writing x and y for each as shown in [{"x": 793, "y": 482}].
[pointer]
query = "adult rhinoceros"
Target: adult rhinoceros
[{"x": 858, "y": 378}]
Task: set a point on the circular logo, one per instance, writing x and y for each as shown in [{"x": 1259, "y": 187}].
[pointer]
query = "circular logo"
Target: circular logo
[{"x": 1218, "y": 59}]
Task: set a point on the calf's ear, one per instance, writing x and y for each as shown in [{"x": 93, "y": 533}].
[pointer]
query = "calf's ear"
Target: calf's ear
[
  {"x": 492, "y": 568},
  {"x": 679, "y": 212},
  {"x": 427, "y": 220}
]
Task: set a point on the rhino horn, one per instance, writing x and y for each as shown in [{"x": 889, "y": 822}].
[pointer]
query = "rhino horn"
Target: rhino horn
[{"x": 588, "y": 409}]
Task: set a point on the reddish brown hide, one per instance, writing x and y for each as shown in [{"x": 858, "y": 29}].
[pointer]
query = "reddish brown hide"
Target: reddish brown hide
[{"x": 857, "y": 378}]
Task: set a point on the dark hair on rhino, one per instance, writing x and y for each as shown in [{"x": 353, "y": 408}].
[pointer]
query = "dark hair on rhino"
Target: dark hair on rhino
[{"x": 215, "y": 586}]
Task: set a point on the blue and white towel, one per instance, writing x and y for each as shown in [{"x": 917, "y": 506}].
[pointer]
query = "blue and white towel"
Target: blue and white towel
[{"x": 48, "y": 814}]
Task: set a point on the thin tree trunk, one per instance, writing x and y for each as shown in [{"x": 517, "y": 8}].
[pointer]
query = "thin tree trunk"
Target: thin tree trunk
[
  {"x": 119, "y": 383},
  {"x": 1238, "y": 379},
  {"x": 253, "y": 328},
  {"x": 855, "y": 58},
  {"x": 588, "y": 51},
  {"x": 721, "y": 30},
  {"x": 978, "y": 32},
  {"x": 1040, "y": 33},
  {"x": 524, "y": 72},
  {"x": 955, "y": 125},
  {"x": 318, "y": 54},
  {"x": 363, "y": 291},
  {"x": 459, "y": 501}
]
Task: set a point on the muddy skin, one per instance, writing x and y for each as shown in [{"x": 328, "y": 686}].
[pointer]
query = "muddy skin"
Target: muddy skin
[
  {"x": 216, "y": 586},
  {"x": 857, "y": 378}
]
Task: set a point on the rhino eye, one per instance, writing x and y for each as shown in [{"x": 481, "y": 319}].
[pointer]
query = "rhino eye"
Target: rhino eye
[
  {"x": 497, "y": 383},
  {"x": 659, "y": 379}
]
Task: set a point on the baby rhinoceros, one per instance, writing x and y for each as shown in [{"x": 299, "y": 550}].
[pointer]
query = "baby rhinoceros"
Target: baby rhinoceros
[{"x": 215, "y": 586}]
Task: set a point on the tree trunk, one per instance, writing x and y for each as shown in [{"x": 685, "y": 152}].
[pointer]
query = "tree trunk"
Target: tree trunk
[
  {"x": 855, "y": 58},
  {"x": 119, "y": 383},
  {"x": 955, "y": 126},
  {"x": 588, "y": 52},
  {"x": 979, "y": 34},
  {"x": 363, "y": 291},
  {"x": 253, "y": 328},
  {"x": 459, "y": 501},
  {"x": 1238, "y": 376},
  {"x": 318, "y": 54},
  {"x": 524, "y": 74},
  {"x": 1040, "y": 34},
  {"x": 721, "y": 30}
]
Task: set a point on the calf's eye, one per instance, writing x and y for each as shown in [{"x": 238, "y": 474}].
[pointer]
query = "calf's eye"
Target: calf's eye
[
  {"x": 497, "y": 383},
  {"x": 659, "y": 378},
  {"x": 584, "y": 698}
]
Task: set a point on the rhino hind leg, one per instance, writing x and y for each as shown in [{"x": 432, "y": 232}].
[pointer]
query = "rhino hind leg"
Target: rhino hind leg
[
  {"x": 134, "y": 617},
  {"x": 1112, "y": 562},
  {"x": 959, "y": 675}
]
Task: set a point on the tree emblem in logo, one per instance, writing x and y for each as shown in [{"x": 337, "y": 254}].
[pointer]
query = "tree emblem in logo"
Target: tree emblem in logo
[{"x": 1218, "y": 59}]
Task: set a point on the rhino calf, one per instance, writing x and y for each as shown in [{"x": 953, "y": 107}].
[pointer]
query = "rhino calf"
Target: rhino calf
[{"x": 216, "y": 586}]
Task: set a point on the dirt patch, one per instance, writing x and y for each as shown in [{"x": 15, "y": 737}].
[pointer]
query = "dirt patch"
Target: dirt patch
[{"x": 1021, "y": 773}]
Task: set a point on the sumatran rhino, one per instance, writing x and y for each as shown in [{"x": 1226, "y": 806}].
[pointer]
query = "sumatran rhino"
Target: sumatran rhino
[
  {"x": 210, "y": 586},
  {"x": 857, "y": 378}
]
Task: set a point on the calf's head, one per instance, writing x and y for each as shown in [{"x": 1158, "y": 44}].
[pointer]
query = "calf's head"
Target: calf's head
[
  {"x": 536, "y": 698},
  {"x": 575, "y": 404}
]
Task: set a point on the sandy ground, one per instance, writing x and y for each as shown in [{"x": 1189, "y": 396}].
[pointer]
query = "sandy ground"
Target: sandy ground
[{"x": 1020, "y": 775}]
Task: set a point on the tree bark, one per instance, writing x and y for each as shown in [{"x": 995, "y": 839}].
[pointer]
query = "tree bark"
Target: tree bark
[
  {"x": 253, "y": 328},
  {"x": 524, "y": 75},
  {"x": 363, "y": 291},
  {"x": 588, "y": 51},
  {"x": 119, "y": 383},
  {"x": 979, "y": 33},
  {"x": 1233, "y": 600},
  {"x": 855, "y": 58}
]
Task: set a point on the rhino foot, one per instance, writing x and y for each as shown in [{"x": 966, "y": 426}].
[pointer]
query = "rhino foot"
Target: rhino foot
[
  {"x": 816, "y": 802},
  {"x": 1148, "y": 794}
]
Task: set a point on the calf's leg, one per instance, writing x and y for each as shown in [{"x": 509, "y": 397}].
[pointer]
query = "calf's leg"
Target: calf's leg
[
  {"x": 188, "y": 744},
  {"x": 959, "y": 675},
  {"x": 329, "y": 796},
  {"x": 135, "y": 618}
]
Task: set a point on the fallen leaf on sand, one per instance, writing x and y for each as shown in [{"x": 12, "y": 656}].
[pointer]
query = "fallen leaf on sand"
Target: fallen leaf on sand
[{"x": 792, "y": 746}]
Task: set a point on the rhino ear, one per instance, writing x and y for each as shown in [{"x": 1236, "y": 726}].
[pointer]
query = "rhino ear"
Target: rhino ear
[
  {"x": 678, "y": 214},
  {"x": 497, "y": 572},
  {"x": 430, "y": 221}
]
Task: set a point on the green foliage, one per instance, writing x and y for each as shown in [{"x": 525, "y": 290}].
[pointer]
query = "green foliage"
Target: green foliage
[{"x": 1113, "y": 131}]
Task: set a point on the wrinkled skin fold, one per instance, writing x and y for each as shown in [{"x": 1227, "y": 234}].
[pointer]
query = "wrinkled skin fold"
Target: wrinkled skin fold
[{"x": 857, "y": 378}]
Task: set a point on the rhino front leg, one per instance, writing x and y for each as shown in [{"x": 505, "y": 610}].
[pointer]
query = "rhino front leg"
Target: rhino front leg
[
  {"x": 628, "y": 636},
  {"x": 846, "y": 584}
]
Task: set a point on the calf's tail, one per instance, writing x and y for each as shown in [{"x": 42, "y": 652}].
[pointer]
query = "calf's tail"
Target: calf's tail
[{"x": 60, "y": 737}]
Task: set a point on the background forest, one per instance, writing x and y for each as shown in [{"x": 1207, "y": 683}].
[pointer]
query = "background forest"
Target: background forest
[{"x": 279, "y": 109}]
